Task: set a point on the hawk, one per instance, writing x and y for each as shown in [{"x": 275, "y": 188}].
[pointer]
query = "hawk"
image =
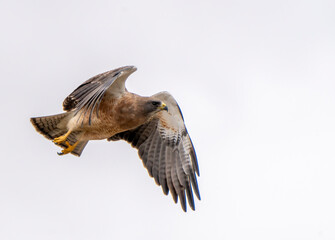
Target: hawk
[{"x": 102, "y": 108}]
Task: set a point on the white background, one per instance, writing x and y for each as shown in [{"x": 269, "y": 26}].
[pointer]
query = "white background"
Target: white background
[{"x": 255, "y": 81}]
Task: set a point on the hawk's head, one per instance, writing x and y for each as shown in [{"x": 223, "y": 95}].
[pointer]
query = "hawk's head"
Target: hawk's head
[{"x": 153, "y": 106}]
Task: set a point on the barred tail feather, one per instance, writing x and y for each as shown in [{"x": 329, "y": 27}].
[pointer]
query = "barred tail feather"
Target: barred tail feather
[
  {"x": 51, "y": 126},
  {"x": 54, "y": 126},
  {"x": 79, "y": 149}
]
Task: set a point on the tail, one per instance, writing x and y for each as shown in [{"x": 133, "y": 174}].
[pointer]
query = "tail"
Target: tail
[{"x": 54, "y": 126}]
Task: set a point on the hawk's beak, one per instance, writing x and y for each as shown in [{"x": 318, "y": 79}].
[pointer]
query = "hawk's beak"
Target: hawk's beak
[{"x": 163, "y": 107}]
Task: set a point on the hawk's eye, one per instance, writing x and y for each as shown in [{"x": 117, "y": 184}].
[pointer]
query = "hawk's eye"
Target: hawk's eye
[{"x": 155, "y": 103}]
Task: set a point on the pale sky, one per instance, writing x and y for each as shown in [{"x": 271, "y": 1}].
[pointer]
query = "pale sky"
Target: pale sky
[{"x": 255, "y": 82}]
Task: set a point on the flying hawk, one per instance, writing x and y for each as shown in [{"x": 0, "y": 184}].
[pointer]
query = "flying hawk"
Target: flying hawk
[{"x": 102, "y": 108}]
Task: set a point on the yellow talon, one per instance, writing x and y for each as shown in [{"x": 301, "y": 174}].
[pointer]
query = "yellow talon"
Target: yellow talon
[
  {"x": 62, "y": 138},
  {"x": 69, "y": 148}
]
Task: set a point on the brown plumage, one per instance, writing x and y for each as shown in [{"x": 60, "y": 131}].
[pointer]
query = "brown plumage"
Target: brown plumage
[{"x": 102, "y": 108}]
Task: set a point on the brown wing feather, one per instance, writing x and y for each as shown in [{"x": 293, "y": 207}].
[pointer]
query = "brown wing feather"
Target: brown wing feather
[
  {"x": 87, "y": 97},
  {"x": 167, "y": 152},
  {"x": 79, "y": 94}
]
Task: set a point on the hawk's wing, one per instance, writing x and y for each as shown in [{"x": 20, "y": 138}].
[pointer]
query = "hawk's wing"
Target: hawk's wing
[
  {"x": 88, "y": 95},
  {"x": 167, "y": 151}
]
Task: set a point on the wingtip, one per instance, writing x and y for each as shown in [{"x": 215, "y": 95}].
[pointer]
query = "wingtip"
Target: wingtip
[
  {"x": 183, "y": 200},
  {"x": 190, "y": 198},
  {"x": 183, "y": 205}
]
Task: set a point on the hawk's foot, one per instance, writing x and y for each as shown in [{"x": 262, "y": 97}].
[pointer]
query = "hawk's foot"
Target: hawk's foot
[
  {"x": 62, "y": 138},
  {"x": 69, "y": 148}
]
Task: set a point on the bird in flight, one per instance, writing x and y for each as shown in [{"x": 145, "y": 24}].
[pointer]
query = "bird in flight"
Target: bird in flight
[{"x": 102, "y": 108}]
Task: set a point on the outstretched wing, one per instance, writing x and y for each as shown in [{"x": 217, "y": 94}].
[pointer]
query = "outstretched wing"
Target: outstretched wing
[
  {"x": 88, "y": 95},
  {"x": 167, "y": 152}
]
